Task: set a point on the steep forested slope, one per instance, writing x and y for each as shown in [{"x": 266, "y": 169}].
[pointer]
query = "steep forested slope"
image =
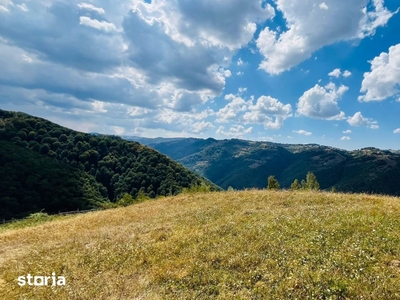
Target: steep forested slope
[
  {"x": 112, "y": 166},
  {"x": 31, "y": 182}
]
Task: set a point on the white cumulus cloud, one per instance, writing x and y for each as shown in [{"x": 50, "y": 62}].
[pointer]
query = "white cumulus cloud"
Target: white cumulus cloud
[
  {"x": 359, "y": 120},
  {"x": 234, "y": 131},
  {"x": 201, "y": 126},
  {"x": 384, "y": 79},
  {"x": 343, "y": 21},
  {"x": 269, "y": 112},
  {"x": 194, "y": 22},
  {"x": 396, "y": 131},
  {"x": 321, "y": 102},
  {"x": 346, "y": 73},
  {"x": 302, "y": 132},
  {"x": 154, "y": 66},
  {"x": 242, "y": 90},
  {"x": 271, "y": 106},
  {"x": 91, "y": 7},
  {"x": 337, "y": 73},
  {"x": 323, "y": 6},
  {"x": 230, "y": 111},
  {"x": 100, "y": 25},
  {"x": 227, "y": 73}
]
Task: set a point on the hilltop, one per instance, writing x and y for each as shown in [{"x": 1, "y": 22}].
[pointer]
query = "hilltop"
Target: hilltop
[
  {"x": 45, "y": 166},
  {"x": 247, "y": 164},
  {"x": 226, "y": 245}
]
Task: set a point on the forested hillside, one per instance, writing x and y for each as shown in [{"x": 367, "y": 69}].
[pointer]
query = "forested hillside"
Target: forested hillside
[
  {"x": 56, "y": 168},
  {"x": 246, "y": 164},
  {"x": 31, "y": 182}
]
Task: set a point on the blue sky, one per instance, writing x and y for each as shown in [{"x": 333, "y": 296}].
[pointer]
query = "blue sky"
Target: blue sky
[{"x": 288, "y": 71}]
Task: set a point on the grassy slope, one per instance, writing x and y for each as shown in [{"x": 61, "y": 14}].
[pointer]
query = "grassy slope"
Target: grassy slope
[{"x": 242, "y": 245}]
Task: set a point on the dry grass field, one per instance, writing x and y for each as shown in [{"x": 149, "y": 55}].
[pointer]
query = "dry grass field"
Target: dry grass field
[{"x": 223, "y": 245}]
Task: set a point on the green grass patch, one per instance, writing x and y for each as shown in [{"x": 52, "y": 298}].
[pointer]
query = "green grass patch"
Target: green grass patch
[{"x": 33, "y": 219}]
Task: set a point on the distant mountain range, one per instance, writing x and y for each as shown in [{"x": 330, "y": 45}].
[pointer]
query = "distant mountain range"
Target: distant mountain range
[{"x": 246, "y": 164}]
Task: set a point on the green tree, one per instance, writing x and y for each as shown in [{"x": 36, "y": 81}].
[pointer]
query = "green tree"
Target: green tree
[
  {"x": 22, "y": 135},
  {"x": 63, "y": 138},
  {"x": 295, "y": 185},
  {"x": 31, "y": 135},
  {"x": 44, "y": 149},
  {"x": 311, "y": 182},
  {"x": 273, "y": 184},
  {"x": 125, "y": 200}
]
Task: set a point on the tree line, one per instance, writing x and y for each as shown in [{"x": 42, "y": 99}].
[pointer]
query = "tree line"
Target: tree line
[{"x": 311, "y": 183}]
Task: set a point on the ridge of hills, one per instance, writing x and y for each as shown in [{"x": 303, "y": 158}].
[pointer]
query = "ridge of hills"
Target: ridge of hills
[
  {"x": 44, "y": 166},
  {"x": 247, "y": 164}
]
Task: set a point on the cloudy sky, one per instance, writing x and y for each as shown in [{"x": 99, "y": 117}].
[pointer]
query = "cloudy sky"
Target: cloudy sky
[{"x": 288, "y": 71}]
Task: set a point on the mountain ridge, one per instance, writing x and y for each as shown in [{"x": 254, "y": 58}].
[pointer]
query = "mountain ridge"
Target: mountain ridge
[{"x": 247, "y": 164}]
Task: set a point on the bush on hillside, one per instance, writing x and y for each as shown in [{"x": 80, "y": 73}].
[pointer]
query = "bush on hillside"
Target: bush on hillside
[
  {"x": 196, "y": 188},
  {"x": 126, "y": 200}
]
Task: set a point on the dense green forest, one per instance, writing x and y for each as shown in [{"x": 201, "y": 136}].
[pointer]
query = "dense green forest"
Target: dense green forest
[
  {"x": 32, "y": 182},
  {"x": 56, "y": 169}
]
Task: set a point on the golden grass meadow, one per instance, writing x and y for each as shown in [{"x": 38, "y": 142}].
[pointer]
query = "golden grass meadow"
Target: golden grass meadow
[{"x": 254, "y": 244}]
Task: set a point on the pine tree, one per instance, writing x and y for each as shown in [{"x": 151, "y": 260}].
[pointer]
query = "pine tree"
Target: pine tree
[
  {"x": 311, "y": 182},
  {"x": 273, "y": 184},
  {"x": 295, "y": 185}
]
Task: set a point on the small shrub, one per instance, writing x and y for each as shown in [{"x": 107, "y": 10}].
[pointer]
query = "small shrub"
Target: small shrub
[
  {"x": 39, "y": 216},
  {"x": 126, "y": 200},
  {"x": 202, "y": 188},
  {"x": 141, "y": 196}
]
